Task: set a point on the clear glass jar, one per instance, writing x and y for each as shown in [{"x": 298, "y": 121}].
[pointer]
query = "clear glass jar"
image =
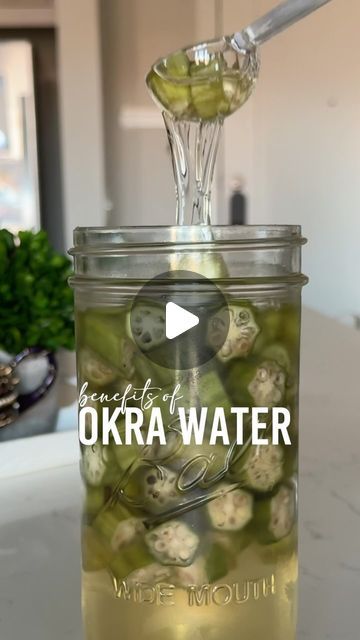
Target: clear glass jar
[{"x": 185, "y": 541}]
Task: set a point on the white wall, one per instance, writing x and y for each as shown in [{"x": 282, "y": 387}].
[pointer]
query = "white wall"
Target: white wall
[
  {"x": 26, "y": 13},
  {"x": 81, "y": 114},
  {"x": 307, "y": 149},
  {"x": 140, "y": 184},
  {"x": 298, "y": 144},
  {"x": 238, "y": 131}
]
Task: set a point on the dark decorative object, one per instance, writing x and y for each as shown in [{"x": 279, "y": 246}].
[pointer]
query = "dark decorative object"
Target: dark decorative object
[
  {"x": 36, "y": 319},
  {"x": 9, "y": 407}
]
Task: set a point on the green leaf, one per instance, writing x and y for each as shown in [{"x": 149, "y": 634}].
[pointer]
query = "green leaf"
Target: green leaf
[{"x": 36, "y": 302}]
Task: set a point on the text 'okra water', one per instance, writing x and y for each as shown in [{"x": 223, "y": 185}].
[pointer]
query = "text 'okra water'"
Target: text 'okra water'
[{"x": 189, "y": 437}]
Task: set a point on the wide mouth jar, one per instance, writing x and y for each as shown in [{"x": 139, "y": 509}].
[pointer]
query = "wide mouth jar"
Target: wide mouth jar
[{"x": 254, "y": 257}]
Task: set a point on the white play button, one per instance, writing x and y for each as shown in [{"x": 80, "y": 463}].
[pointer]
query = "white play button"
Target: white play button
[{"x": 178, "y": 320}]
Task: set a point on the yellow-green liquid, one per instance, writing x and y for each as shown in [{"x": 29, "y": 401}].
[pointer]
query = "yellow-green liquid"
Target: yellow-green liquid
[{"x": 257, "y": 601}]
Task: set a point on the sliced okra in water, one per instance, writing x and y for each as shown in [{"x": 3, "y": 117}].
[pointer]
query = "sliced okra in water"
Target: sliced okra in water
[
  {"x": 279, "y": 325},
  {"x": 267, "y": 387},
  {"x": 259, "y": 383},
  {"x": 146, "y": 325},
  {"x": 152, "y": 573},
  {"x": 275, "y": 517},
  {"x": 98, "y": 466},
  {"x": 211, "y": 393},
  {"x": 127, "y": 454},
  {"x": 209, "y": 100},
  {"x": 214, "y": 458},
  {"x": 232, "y": 510},
  {"x": 207, "y": 91},
  {"x": 94, "y": 370},
  {"x": 161, "y": 400},
  {"x": 279, "y": 354},
  {"x": 260, "y": 468},
  {"x": 106, "y": 336},
  {"x": 177, "y": 65},
  {"x": 161, "y": 377},
  {"x": 160, "y": 489},
  {"x": 174, "y": 96},
  {"x": 194, "y": 574},
  {"x": 170, "y": 86},
  {"x": 134, "y": 557},
  {"x": 237, "y": 339},
  {"x": 173, "y": 543},
  {"x": 118, "y": 527}
]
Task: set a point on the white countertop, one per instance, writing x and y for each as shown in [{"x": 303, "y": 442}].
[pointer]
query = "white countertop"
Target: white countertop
[{"x": 39, "y": 517}]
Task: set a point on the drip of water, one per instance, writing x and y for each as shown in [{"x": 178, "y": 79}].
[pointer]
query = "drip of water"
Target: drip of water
[{"x": 193, "y": 148}]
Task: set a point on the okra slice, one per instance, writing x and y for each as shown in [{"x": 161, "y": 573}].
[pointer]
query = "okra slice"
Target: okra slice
[
  {"x": 118, "y": 527},
  {"x": 151, "y": 574},
  {"x": 256, "y": 382},
  {"x": 207, "y": 90},
  {"x": 170, "y": 86},
  {"x": 232, "y": 510},
  {"x": 280, "y": 325},
  {"x": 160, "y": 490},
  {"x": 275, "y": 517},
  {"x": 146, "y": 325},
  {"x": 106, "y": 336},
  {"x": 195, "y": 574},
  {"x": 98, "y": 465},
  {"x": 177, "y": 65},
  {"x": 260, "y": 468},
  {"x": 164, "y": 405},
  {"x": 173, "y": 543},
  {"x": 278, "y": 353},
  {"x": 241, "y": 333},
  {"x": 267, "y": 387},
  {"x": 209, "y": 100},
  {"x": 211, "y": 391},
  {"x": 133, "y": 557},
  {"x": 209, "y": 265},
  {"x": 94, "y": 370},
  {"x": 127, "y": 454},
  {"x": 174, "y": 96},
  {"x": 160, "y": 376},
  {"x": 204, "y": 388}
]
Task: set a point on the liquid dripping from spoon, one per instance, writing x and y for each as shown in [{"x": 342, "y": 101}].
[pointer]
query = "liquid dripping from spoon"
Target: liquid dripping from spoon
[
  {"x": 194, "y": 148},
  {"x": 196, "y": 89}
]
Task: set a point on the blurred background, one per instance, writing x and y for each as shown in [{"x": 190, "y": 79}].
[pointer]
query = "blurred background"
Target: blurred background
[{"x": 82, "y": 144}]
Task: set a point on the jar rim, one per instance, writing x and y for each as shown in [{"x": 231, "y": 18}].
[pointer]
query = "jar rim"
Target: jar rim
[{"x": 131, "y": 238}]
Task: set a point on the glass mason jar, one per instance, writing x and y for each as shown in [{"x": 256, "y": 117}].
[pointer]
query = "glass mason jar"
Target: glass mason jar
[{"x": 188, "y": 539}]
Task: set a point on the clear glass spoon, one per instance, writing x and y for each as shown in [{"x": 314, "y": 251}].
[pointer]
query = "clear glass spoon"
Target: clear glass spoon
[
  {"x": 272, "y": 23},
  {"x": 197, "y": 87}
]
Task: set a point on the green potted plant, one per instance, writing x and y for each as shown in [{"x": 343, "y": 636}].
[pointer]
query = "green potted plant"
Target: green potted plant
[{"x": 36, "y": 321}]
